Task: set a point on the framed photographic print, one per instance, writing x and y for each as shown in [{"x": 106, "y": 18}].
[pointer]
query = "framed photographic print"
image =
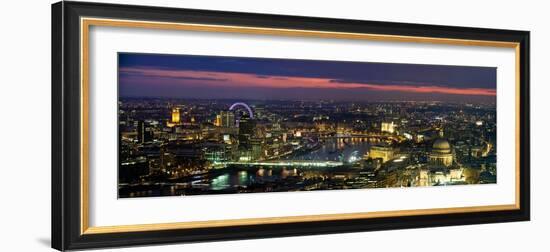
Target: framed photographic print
[{"x": 180, "y": 125}]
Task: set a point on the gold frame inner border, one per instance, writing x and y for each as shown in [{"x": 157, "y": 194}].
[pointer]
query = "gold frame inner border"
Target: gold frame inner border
[{"x": 86, "y": 23}]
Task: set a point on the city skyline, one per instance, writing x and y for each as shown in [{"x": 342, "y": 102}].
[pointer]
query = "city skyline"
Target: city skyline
[
  {"x": 195, "y": 125},
  {"x": 192, "y": 76}
]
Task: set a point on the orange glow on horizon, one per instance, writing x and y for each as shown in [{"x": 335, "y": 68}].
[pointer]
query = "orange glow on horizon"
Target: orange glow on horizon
[{"x": 223, "y": 79}]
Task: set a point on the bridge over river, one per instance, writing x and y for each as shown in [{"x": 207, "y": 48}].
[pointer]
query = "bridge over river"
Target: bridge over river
[{"x": 287, "y": 163}]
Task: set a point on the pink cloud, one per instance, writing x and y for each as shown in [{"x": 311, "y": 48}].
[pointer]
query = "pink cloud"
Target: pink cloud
[{"x": 222, "y": 79}]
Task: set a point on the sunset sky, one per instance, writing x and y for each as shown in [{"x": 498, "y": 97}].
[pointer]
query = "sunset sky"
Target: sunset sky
[{"x": 190, "y": 76}]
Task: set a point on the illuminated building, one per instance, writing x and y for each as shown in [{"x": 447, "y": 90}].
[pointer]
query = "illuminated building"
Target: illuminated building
[
  {"x": 189, "y": 133},
  {"x": 175, "y": 155},
  {"x": 388, "y": 127},
  {"x": 176, "y": 119},
  {"x": 381, "y": 152},
  {"x": 256, "y": 146},
  {"x": 322, "y": 126},
  {"x": 216, "y": 153},
  {"x": 475, "y": 151},
  {"x": 482, "y": 150},
  {"x": 176, "y": 115},
  {"x": 227, "y": 139},
  {"x": 343, "y": 128},
  {"x": 245, "y": 156},
  {"x": 227, "y": 119},
  {"x": 246, "y": 131},
  {"x": 429, "y": 177},
  {"x": 218, "y": 121},
  {"x": 441, "y": 154}
]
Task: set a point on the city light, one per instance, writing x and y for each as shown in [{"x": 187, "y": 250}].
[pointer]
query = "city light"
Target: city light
[
  {"x": 320, "y": 152},
  {"x": 195, "y": 125}
]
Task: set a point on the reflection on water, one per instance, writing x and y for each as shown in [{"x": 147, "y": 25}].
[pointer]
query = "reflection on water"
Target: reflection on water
[
  {"x": 333, "y": 149},
  {"x": 243, "y": 178},
  {"x": 238, "y": 178},
  {"x": 229, "y": 179},
  {"x": 220, "y": 182}
]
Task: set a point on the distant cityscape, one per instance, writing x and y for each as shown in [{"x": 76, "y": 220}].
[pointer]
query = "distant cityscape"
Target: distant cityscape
[
  {"x": 188, "y": 147},
  {"x": 198, "y": 125}
]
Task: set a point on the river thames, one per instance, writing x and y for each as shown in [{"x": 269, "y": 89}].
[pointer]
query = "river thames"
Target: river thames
[{"x": 265, "y": 178}]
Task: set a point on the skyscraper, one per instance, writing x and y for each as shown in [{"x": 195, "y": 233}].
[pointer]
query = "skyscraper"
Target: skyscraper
[
  {"x": 227, "y": 119},
  {"x": 246, "y": 131},
  {"x": 143, "y": 134}
]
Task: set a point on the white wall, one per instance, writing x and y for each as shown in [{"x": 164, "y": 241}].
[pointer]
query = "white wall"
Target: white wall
[{"x": 25, "y": 124}]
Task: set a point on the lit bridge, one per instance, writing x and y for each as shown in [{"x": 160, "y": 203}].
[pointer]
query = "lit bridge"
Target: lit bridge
[
  {"x": 378, "y": 137},
  {"x": 359, "y": 135},
  {"x": 296, "y": 163}
]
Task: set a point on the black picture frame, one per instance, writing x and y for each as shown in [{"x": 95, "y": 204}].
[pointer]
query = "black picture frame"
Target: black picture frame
[{"x": 66, "y": 142}]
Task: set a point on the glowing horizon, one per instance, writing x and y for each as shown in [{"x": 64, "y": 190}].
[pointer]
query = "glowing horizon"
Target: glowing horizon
[
  {"x": 246, "y": 78},
  {"x": 219, "y": 79}
]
